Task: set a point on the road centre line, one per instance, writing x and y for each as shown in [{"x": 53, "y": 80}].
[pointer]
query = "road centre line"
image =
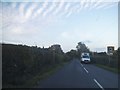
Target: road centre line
[
  {"x": 81, "y": 65},
  {"x": 86, "y": 70},
  {"x": 98, "y": 84}
]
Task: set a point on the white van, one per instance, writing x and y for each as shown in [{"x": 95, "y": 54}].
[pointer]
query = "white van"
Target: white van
[{"x": 85, "y": 58}]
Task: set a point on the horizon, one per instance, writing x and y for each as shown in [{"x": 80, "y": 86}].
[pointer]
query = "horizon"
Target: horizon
[
  {"x": 50, "y": 46},
  {"x": 65, "y": 23}
]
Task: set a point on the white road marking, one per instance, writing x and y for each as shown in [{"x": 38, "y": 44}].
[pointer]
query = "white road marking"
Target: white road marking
[
  {"x": 86, "y": 70},
  {"x": 81, "y": 65},
  {"x": 98, "y": 84}
]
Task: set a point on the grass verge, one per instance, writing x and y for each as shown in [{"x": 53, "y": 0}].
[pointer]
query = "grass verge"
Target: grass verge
[
  {"x": 49, "y": 71},
  {"x": 115, "y": 70}
]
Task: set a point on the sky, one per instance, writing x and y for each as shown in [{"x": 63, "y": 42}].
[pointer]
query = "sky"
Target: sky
[{"x": 65, "y": 23}]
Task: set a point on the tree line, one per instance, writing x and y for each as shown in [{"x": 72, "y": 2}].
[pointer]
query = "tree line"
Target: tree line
[
  {"x": 101, "y": 58},
  {"x": 21, "y": 62}
]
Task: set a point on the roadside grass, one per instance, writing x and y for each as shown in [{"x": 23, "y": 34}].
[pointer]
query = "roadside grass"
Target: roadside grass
[
  {"x": 33, "y": 82},
  {"x": 115, "y": 70}
]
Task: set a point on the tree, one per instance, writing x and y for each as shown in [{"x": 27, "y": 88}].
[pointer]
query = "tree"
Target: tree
[
  {"x": 81, "y": 47},
  {"x": 72, "y": 54}
]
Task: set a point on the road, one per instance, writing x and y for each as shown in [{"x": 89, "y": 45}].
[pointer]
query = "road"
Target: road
[{"x": 77, "y": 75}]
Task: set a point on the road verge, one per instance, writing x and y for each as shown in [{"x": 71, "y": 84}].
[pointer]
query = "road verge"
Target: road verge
[
  {"x": 115, "y": 70},
  {"x": 48, "y": 72}
]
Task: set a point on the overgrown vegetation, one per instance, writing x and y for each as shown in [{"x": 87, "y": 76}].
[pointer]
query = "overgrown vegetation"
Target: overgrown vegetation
[
  {"x": 101, "y": 58},
  {"x": 23, "y": 65},
  {"x": 105, "y": 61},
  {"x": 108, "y": 68},
  {"x": 34, "y": 82},
  {"x": 20, "y": 63}
]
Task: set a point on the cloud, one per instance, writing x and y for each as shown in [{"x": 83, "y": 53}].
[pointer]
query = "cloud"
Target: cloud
[
  {"x": 66, "y": 9},
  {"x": 72, "y": 10},
  {"x": 110, "y": 5},
  {"x": 30, "y": 10},
  {"x": 40, "y": 10},
  {"x": 27, "y": 11},
  {"x": 76, "y": 33},
  {"x": 82, "y": 3},
  {"x": 86, "y": 41},
  {"x": 69, "y": 13},
  {"x": 105, "y": 5},
  {"x": 17, "y": 23},
  {"x": 100, "y": 49},
  {"x": 87, "y": 5},
  {"x": 97, "y": 3},
  {"x": 17, "y": 31},
  {"x": 14, "y": 5},
  {"x": 22, "y": 8},
  {"x": 69, "y": 9},
  {"x": 59, "y": 7},
  {"x": 67, "y": 6},
  {"x": 17, "y": 11},
  {"x": 49, "y": 9}
]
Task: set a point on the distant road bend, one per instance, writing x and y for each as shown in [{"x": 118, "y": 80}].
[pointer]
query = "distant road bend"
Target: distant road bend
[{"x": 77, "y": 75}]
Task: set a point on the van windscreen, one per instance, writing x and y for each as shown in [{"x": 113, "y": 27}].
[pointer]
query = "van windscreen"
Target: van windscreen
[{"x": 85, "y": 56}]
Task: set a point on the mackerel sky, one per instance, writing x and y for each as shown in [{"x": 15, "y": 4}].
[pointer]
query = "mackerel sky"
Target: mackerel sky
[{"x": 65, "y": 23}]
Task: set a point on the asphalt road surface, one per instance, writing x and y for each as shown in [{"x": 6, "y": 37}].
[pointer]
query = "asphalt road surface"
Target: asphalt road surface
[{"x": 77, "y": 75}]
